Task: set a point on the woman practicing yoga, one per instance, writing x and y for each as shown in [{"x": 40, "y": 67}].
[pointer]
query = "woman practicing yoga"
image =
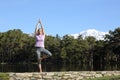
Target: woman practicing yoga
[{"x": 40, "y": 48}]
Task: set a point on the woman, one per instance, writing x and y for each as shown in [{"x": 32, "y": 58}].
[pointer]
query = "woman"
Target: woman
[{"x": 40, "y": 38}]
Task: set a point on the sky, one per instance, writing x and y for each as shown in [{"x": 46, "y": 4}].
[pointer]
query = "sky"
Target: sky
[{"x": 60, "y": 16}]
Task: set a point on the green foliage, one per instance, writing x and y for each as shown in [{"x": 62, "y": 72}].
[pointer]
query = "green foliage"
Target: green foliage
[
  {"x": 114, "y": 40},
  {"x": 63, "y": 53},
  {"x": 112, "y": 46},
  {"x": 18, "y": 47}
]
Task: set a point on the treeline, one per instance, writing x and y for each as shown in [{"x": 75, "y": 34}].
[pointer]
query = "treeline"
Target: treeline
[{"x": 18, "y": 47}]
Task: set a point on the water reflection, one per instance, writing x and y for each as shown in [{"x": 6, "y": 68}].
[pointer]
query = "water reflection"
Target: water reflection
[{"x": 56, "y": 67}]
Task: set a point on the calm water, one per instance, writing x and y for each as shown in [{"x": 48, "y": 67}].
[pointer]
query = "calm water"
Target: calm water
[{"x": 51, "y": 67}]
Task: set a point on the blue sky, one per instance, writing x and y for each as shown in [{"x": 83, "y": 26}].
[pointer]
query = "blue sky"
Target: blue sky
[{"x": 60, "y": 16}]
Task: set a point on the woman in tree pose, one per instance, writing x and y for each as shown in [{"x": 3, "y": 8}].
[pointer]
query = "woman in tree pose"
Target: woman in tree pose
[{"x": 40, "y": 38}]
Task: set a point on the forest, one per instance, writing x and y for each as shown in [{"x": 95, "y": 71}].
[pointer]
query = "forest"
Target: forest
[{"x": 19, "y": 47}]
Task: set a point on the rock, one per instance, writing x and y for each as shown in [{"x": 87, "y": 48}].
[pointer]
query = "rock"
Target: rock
[{"x": 72, "y": 75}]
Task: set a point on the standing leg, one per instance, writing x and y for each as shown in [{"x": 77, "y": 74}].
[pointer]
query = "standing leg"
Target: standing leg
[
  {"x": 38, "y": 51},
  {"x": 40, "y": 68}
]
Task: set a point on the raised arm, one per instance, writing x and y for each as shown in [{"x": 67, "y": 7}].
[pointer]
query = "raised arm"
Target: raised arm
[
  {"x": 36, "y": 29},
  {"x": 42, "y": 27}
]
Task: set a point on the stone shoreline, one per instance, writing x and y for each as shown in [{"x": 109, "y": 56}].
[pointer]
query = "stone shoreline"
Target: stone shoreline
[{"x": 69, "y": 75}]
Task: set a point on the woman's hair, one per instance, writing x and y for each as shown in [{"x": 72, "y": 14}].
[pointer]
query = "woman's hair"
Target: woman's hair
[{"x": 38, "y": 32}]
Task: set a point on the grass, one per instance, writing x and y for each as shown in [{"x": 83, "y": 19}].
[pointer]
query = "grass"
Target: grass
[
  {"x": 4, "y": 76},
  {"x": 107, "y": 78}
]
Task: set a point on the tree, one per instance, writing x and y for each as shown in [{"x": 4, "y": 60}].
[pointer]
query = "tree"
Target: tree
[
  {"x": 113, "y": 43},
  {"x": 91, "y": 41}
]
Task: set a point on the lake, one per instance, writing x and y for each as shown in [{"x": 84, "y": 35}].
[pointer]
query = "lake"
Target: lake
[{"x": 56, "y": 67}]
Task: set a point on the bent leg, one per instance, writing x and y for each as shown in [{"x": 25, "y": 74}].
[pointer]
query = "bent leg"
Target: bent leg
[{"x": 46, "y": 52}]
